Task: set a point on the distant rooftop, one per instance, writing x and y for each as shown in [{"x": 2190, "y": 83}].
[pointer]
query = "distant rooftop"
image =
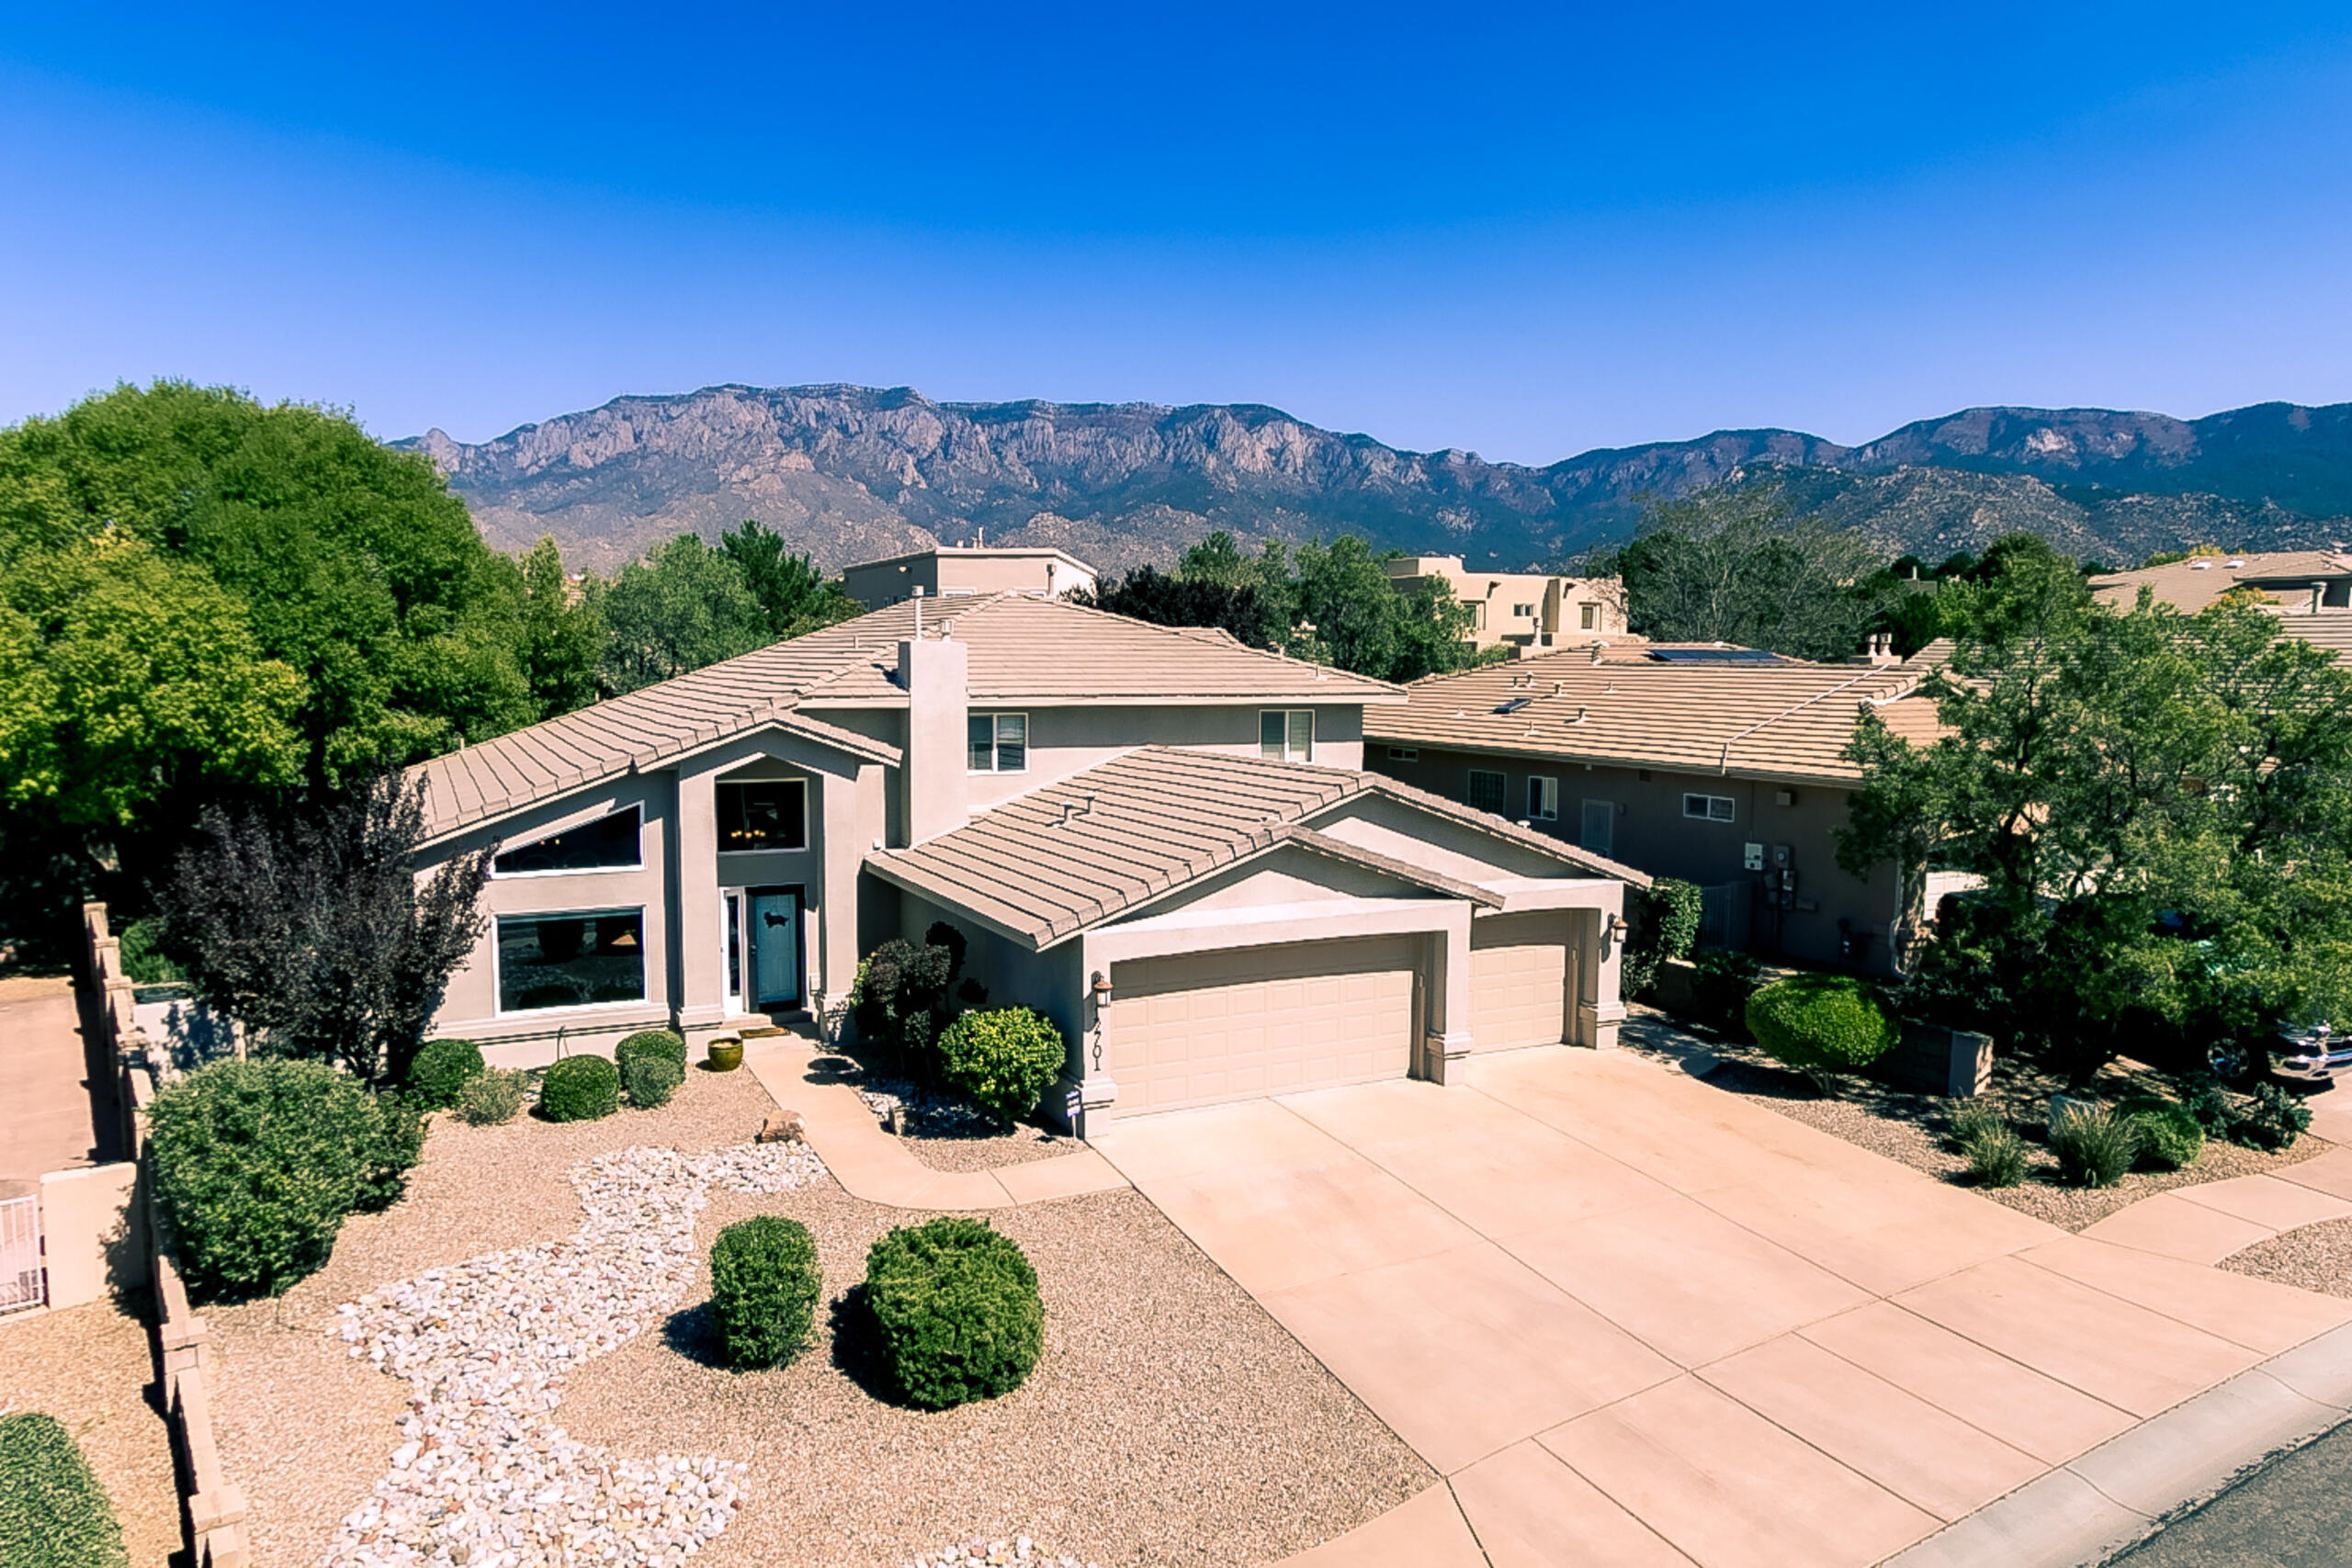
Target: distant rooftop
[{"x": 2286, "y": 576}]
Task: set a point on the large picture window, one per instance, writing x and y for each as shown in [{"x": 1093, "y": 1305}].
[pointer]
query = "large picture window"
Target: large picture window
[
  {"x": 577, "y": 959},
  {"x": 608, "y": 843},
  {"x": 999, "y": 742},
  {"x": 763, "y": 814}
]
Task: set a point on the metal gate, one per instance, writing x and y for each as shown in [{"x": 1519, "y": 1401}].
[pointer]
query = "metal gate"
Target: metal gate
[{"x": 20, "y": 1276}]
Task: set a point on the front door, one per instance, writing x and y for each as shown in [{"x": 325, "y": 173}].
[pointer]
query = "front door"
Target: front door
[{"x": 774, "y": 917}]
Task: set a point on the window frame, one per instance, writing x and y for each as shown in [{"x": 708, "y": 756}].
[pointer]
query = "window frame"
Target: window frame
[
  {"x": 1538, "y": 808},
  {"x": 995, "y": 718},
  {"x": 635, "y": 808},
  {"x": 1708, "y": 814},
  {"x": 801, "y": 784},
  {"x": 1523, "y": 612},
  {"x": 1404, "y": 753},
  {"x": 498, "y": 968},
  {"x": 1502, "y": 790},
  {"x": 1587, "y": 617},
  {"x": 1289, "y": 719}
]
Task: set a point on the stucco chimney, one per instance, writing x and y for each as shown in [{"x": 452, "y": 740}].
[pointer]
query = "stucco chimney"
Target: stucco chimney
[{"x": 934, "y": 799}]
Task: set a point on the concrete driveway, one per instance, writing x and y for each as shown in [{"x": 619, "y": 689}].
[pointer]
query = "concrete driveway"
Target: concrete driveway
[{"x": 1635, "y": 1320}]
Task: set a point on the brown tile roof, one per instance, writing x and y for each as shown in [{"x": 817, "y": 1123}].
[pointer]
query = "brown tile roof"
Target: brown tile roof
[
  {"x": 2191, "y": 585},
  {"x": 1052, "y": 863},
  {"x": 2330, "y": 630},
  {"x": 1781, "y": 721},
  {"x": 1023, "y": 649}
]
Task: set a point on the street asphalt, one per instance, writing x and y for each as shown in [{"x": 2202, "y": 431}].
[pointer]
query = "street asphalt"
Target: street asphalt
[{"x": 2295, "y": 1512}]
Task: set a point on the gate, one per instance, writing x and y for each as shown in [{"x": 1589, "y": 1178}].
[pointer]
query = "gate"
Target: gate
[{"x": 20, "y": 1276}]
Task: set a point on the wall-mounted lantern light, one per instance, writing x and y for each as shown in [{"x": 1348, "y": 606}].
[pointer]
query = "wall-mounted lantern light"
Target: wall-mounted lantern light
[{"x": 1612, "y": 933}]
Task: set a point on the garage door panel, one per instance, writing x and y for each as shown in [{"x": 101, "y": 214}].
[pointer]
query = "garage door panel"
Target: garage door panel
[
  {"x": 1518, "y": 981},
  {"x": 1255, "y": 1021}
]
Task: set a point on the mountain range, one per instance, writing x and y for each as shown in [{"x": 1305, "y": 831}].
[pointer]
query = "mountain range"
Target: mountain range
[{"x": 851, "y": 473}]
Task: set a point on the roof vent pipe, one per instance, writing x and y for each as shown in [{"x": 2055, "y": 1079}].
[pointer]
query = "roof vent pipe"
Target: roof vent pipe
[
  {"x": 1598, "y": 650},
  {"x": 1583, "y": 713}
]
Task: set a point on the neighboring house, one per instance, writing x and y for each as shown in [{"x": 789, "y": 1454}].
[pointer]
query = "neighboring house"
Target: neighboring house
[
  {"x": 2299, "y": 581},
  {"x": 1527, "y": 611},
  {"x": 1717, "y": 766},
  {"x": 1158, "y": 837},
  {"x": 952, "y": 571}
]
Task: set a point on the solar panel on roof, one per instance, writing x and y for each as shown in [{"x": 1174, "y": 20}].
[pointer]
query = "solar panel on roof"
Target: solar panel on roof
[{"x": 1714, "y": 656}]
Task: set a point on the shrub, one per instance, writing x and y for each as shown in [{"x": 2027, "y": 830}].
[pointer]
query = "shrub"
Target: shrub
[
  {"x": 1969, "y": 1120},
  {"x": 2170, "y": 1137},
  {"x": 1719, "y": 991},
  {"x": 580, "y": 1088},
  {"x": 441, "y": 1071},
  {"x": 652, "y": 1080},
  {"x": 1002, "y": 1059},
  {"x": 2094, "y": 1147},
  {"x": 2273, "y": 1121},
  {"x": 143, "y": 962},
  {"x": 904, "y": 999},
  {"x": 1996, "y": 1155},
  {"x": 494, "y": 1098},
  {"x": 660, "y": 1042},
  {"x": 763, "y": 1288},
  {"x": 1666, "y": 924},
  {"x": 53, "y": 1513},
  {"x": 258, "y": 1163},
  {"x": 958, "y": 1310},
  {"x": 2207, "y": 1103},
  {"x": 1821, "y": 1023}
]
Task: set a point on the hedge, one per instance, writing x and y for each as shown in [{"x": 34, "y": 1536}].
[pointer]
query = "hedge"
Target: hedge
[
  {"x": 1004, "y": 1059},
  {"x": 1821, "y": 1023},
  {"x": 53, "y": 1513},
  {"x": 580, "y": 1088},
  {"x": 957, "y": 1309},
  {"x": 765, "y": 1284},
  {"x": 438, "y": 1076}
]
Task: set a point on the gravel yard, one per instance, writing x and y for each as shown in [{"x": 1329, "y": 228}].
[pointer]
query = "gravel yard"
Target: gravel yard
[
  {"x": 2313, "y": 1258},
  {"x": 1172, "y": 1421},
  {"x": 90, "y": 1367},
  {"x": 940, "y": 1129},
  {"x": 1904, "y": 1127}
]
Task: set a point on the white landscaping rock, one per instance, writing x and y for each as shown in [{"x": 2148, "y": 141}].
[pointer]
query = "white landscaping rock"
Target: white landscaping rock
[
  {"x": 484, "y": 1477},
  {"x": 1018, "y": 1552}
]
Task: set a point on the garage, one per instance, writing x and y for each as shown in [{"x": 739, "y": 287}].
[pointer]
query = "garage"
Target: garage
[
  {"x": 1242, "y": 1022},
  {"x": 1518, "y": 980}
]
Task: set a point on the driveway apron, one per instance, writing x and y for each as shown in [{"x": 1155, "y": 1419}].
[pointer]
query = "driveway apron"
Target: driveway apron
[{"x": 1635, "y": 1320}]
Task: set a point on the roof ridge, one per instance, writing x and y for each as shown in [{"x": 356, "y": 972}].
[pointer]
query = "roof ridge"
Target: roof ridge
[{"x": 1272, "y": 655}]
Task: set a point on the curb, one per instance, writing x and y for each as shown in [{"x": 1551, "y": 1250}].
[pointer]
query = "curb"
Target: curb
[{"x": 2105, "y": 1502}]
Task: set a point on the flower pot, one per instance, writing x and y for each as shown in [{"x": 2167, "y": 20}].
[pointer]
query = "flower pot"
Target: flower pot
[{"x": 725, "y": 1054}]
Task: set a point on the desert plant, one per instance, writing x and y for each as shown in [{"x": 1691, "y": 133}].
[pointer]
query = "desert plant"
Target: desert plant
[
  {"x": 1002, "y": 1059},
  {"x": 1996, "y": 1155},
  {"x": 258, "y": 1163},
  {"x": 957, "y": 1309},
  {"x": 441, "y": 1071},
  {"x": 2095, "y": 1148},
  {"x": 650, "y": 1043},
  {"x": 1723, "y": 980},
  {"x": 1666, "y": 924},
  {"x": 652, "y": 1080},
  {"x": 1967, "y": 1120},
  {"x": 765, "y": 1283},
  {"x": 53, "y": 1513},
  {"x": 2170, "y": 1137},
  {"x": 580, "y": 1088},
  {"x": 495, "y": 1096},
  {"x": 2273, "y": 1120},
  {"x": 1821, "y": 1024}
]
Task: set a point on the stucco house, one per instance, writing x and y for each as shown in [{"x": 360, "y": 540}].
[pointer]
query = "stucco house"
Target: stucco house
[
  {"x": 1721, "y": 766},
  {"x": 1162, "y": 838},
  {"x": 1525, "y": 611},
  {"x": 951, "y": 571}
]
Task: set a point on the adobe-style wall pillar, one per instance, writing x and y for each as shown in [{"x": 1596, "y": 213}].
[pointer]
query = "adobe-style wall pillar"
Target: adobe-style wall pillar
[
  {"x": 701, "y": 1002},
  {"x": 1445, "y": 995},
  {"x": 936, "y": 673}
]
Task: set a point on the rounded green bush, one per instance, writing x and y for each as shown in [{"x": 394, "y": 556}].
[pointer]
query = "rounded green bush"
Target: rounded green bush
[
  {"x": 258, "y": 1163},
  {"x": 958, "y": 1310},
  {"x": 53, "y": 1513},
  {"x": 2170, "y": 1138},
  {"x": 580, "y": 1088},
  {"x": 1821, "y": 1023},
  {"x": 652, "y": 1080},
  {"x": 661, "y": 1042},
  {"x": 438, "y": 1076},
  {"x": 1002, "y": 1059},
  {"x": 765, "y": 1284}
]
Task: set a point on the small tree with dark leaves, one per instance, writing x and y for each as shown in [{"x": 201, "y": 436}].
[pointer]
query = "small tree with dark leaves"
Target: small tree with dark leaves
[{"x": 312, "y": 931}]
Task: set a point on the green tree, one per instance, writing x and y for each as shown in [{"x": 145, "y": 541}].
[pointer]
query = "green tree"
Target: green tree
[
  {"x": 1350, "y": 615},
  {"x": 793, "y": 596},
  {"x": 562, "y": 638},
  {"x": 685, "y": 606}
]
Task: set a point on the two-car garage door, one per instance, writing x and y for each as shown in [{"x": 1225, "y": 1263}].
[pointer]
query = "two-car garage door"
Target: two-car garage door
[{"x": 1242, "y": 1022}]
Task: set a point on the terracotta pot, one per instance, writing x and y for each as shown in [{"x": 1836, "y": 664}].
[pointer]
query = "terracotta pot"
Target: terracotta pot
[{"x": 725, "y": 1054}]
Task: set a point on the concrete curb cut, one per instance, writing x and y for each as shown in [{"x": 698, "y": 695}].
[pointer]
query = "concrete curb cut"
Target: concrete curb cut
[{"x": 2086, "y": 1513}]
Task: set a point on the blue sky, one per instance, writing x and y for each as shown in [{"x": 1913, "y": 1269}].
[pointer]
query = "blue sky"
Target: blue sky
[{"x": 1523, "y": 232}]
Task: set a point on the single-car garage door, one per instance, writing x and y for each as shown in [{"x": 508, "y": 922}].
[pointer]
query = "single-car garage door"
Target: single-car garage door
[
  {"x": 1518, "y": 980},
  {"x": 1242, "y": 1022}
]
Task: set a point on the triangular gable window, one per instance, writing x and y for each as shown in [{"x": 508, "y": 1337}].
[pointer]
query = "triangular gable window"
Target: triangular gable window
[{"x": 608, "y": 843}]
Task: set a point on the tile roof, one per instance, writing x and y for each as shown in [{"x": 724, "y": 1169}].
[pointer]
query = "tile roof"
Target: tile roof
[
  {"x": 1047, "y": 864},
  {"x": 2191, "y": 585},
  {"x": 2330, "y": 630},
  {"x": 1783, "y": 721},
  {"x": 1023, "y": 649}
]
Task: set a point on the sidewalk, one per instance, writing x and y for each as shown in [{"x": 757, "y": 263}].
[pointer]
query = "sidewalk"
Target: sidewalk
[{"x": 43, "y": 1084}]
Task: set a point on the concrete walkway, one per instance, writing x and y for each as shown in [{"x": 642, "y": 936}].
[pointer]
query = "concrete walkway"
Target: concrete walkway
[
  {"x": 49, "y": 1124},
  {"x": 1633, "y": 1320},
  {"x": 873, "y": 1166}
]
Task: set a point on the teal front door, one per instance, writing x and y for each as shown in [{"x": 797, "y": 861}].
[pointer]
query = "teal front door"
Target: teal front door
[{"x": 776, "y": 948}]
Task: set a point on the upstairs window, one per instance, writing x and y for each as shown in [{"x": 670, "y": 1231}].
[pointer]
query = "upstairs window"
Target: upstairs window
[
  {"x": 608, "y": 843},
  {"x": 1524, "y": 612},
  {"x": 763, "y": 814},
  {"x": 1485, "y": 791},
  {"x": 999, "y": 742},
  {"x": 1404, "y": 753},
  {"x": 1286, "y": 735},
  {"x": 1542, "y": 798},
  {"x": 1584, "y": 618},
  {"x": 1708, "y": 807}
]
